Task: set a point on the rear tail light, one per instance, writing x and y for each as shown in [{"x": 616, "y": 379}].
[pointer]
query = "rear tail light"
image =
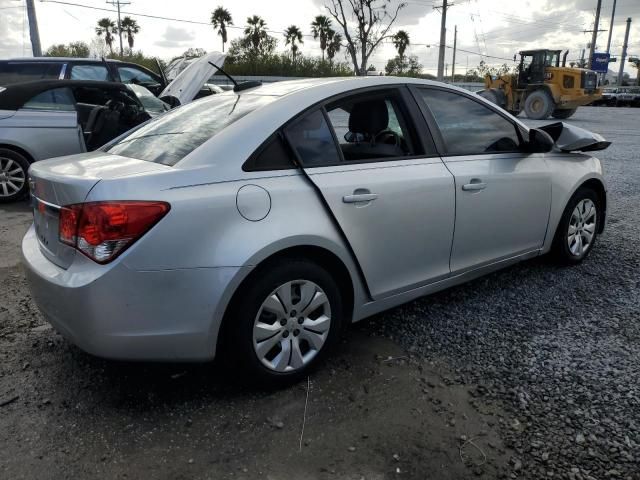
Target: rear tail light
[{"x": 103, "y": 230}]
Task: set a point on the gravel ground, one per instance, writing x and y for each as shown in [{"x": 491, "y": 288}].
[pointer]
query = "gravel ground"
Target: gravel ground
[
  {"x": 558, "y": 348},
  {"x": 530, "y": 373}
]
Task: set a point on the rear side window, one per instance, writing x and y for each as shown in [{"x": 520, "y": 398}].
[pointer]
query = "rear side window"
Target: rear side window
[
  {"x": 170, "y": 137},
  {"x": 60, "y": 99},
  {"x": 17, "y": 72},
  {"x": 89, "y": 72},
  {"x": 274, "y": 155},
  {"x": 468, "y": 127},
  {"x": 371, "y": 127},
  {"x": 312, "y": 140}
]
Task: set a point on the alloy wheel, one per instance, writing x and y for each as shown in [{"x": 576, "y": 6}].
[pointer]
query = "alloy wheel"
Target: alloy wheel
[
  {"x": 12, "y": 177},
  {"x": 292, "y": 326},
  {"x": 582, "y": 227}
]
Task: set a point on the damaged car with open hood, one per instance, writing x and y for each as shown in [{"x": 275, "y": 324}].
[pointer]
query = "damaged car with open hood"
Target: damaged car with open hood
[
  {"x": 253, "y": 225},
  {"x": 51, "y": 118}
]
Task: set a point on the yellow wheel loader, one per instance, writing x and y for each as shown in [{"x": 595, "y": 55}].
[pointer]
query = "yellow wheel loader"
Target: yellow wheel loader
[{"x": 541, "y": 87}]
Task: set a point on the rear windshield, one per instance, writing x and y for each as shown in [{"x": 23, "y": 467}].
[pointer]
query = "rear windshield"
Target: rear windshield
[
  {"x": 172, "y": 136},
  {"x": 17, "y": 72}
]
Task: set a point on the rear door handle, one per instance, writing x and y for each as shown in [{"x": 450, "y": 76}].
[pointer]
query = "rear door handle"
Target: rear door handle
[
  {"x": 475, "y": 186},
  {"x": 359, "y": 197}
]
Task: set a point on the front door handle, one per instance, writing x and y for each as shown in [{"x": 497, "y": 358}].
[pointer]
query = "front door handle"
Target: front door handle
[
  {"x": 359, "y": 197},
  {"x": 475, "y": 185}
]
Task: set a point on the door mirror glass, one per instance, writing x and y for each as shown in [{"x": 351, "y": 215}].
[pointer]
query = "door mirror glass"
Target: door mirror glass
[{"x": 539, "y": 141}]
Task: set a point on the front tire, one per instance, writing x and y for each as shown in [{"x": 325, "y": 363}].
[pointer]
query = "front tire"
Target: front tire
[
  {"x": 538, "y": 105},
  {"x": 286, "y": 319},
  {"x": 578, "y": 228},
  {"x": 13, "y": 176}
]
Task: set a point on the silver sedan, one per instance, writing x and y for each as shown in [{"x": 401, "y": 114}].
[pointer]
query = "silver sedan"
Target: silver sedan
[{"x": 255, "y": 225}]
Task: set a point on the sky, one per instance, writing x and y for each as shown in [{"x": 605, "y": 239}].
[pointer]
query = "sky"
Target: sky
[{"x": 490, "y": 30}]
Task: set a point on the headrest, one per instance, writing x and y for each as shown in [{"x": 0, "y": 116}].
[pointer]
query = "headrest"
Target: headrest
[{"x": 369, "y": 117}]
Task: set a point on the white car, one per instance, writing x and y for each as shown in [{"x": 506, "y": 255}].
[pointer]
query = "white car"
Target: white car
[{"x": 51, "y": 118}]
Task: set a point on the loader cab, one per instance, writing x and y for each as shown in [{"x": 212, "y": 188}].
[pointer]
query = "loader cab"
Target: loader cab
[{"x": 533, "y": 64}]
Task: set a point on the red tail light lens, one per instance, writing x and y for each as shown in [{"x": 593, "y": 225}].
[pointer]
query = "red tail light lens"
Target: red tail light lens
[{"x": 103, "y": 230}]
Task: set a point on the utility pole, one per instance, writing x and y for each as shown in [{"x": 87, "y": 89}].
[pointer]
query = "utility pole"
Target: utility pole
[
  {"x": 36, "y": 49},
  {"x": 443, "y": 39},
  {"x": 613, "y": 16},
  {"x": 453, "y": 64},
  {"x": 118, "y": 3},
  {"x": 623, "y": 58},
  {"x": 594, "y": 35}
]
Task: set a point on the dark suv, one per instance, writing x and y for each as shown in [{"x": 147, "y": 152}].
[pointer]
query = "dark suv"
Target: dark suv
[{"x": 50, "y": 68}]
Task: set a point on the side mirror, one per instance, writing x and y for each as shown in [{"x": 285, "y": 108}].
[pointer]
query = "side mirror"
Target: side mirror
[{"x": 539, "y": 141}]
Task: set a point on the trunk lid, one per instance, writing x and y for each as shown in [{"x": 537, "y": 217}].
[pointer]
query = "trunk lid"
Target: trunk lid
[
  {"x": 68, "y": 180},
  {"x": 188, "y": 83}
]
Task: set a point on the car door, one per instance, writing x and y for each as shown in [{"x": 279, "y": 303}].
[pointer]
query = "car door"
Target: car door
[
  {"x": 384, "y": 184},
  {"x": 48, "y": 123},
  {"x": 503, "y": 194}
]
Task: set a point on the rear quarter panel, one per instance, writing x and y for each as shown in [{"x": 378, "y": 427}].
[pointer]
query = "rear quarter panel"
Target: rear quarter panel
[{"x": 204, "y": 229}]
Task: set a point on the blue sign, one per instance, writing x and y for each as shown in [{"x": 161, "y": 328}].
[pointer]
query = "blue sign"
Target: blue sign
[{"x": 600, "y": 62}]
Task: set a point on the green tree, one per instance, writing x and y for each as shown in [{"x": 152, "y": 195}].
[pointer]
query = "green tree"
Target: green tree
[
  {"x": 73, "y": 49},
  {"x": 401, "y": 42},
  {"x": 334, "y": 44},
  {"x": 256, "y": 33},
  {"x": 293, "y": 36},
  {"x": 321, "y": 28},
  {"x": 131, "y": 28},
  {"x": 108, "y": 28},
  {"x": 220, "y": 19}
]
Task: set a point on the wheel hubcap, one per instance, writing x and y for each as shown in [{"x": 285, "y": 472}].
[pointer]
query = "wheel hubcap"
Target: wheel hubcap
[
  {"x": 12, "y": 177},
  {"x": 292, "y": 326},
  {"x": 582, "y": 227}
]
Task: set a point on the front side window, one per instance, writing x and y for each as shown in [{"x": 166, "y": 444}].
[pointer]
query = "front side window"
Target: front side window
[
  {"x": 312, "y": 140},
  {"x": 89, "y": 72},
  {"x": 170, "y": 137},
  {"x": 467, "y": 126},
  {"x": 371, "y": 127},
  {"x": 59, "y": 99}
]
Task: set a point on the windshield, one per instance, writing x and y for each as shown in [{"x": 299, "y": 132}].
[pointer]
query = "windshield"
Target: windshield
[
  {"x": 149, "y": 101},
  {"x": 170, "y": 137}
]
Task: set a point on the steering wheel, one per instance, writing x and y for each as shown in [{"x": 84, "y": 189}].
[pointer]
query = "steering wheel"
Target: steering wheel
[{"x": 388, "y": 137}]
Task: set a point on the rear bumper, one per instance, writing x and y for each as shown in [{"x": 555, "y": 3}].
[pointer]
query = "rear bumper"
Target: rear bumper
[{"x": 114, "y": 312}]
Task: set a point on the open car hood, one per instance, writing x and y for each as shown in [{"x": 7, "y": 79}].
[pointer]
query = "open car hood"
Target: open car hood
[
  {"x": 188, "y": 83},
  {"x": 570, "y": 138}
]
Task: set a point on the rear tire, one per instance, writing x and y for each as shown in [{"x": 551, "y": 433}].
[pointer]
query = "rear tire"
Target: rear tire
[
  {"x": 538, "y": 105},
  {"x": 578, "y": 228},
  {"x": 287, "y": 318},
  {"x": 563, "y": 113},
  {"x": 13, "y": 176}
]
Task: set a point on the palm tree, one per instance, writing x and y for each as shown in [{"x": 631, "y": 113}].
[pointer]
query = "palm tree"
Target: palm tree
[
  {"x": 255, "y": 31},
  {"x": 107, "y": 27},
  {"x": 220, "y": 19},
  {"x": 334, "y": 44},
  {"x": 320, "y": 27},
  {"x": 293, "y": 35},
  {"x": 131, "y": 28},
  {"x": 401, "y": 42}
]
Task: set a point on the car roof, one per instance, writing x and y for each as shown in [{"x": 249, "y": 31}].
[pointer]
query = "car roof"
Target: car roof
[
  {"x": 330, "y": 84},
  {"x": 59, "y": 59},
  {"x": 14, "y": 96}
]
